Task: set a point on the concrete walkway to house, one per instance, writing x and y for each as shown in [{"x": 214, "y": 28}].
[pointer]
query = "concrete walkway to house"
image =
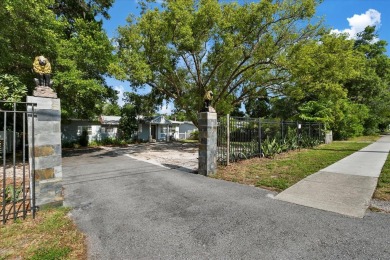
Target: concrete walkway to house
[{"x": 345, "y": 187}]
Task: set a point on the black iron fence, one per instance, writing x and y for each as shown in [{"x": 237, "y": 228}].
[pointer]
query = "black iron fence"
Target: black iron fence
[
  {"x": 243, "y": 138},
  {"x": 17, "y": 180}
]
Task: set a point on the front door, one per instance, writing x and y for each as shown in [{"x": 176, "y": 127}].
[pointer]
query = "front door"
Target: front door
[{"x": 153, "y": 132}]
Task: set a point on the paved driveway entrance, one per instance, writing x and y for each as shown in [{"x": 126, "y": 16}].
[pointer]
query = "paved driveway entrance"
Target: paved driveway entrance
[{"x": 131, "y": 209}]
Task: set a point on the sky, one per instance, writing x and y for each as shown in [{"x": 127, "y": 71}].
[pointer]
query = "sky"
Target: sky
[{"x": 350, "y": 16}]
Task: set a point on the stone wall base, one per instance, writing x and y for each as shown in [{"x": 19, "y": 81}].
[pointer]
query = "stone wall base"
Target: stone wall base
[
  {"x": 46, "y": 147},
  {"x": 328, "y": 137},
  {"x": 49, "y": 192}
]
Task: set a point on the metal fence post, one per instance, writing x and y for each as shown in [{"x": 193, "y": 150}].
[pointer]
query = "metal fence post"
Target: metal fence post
[
  {"x": 32, "y": 167},
  {"x": 227, "y": 139},
  {"x": 24, "y": 166},
  {"x": 4, "y": 154},
  {"x": 14, "y": 160},
  {"x": 259, "y": 137},
  {"x": 319, "y": 131}
]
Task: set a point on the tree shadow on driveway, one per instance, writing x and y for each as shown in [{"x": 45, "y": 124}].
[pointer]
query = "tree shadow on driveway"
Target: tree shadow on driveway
[
  {"x": 180, "y": 168},
  {"x": 70, "y": 152}
]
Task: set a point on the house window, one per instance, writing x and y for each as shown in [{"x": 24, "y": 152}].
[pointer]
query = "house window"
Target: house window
[{"x": 81, "y": 129}]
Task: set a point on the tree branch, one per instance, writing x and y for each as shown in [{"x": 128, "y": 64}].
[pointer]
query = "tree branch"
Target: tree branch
[
  {"x": 188, "y": 67},
  {"x": 198, "y": 70}
]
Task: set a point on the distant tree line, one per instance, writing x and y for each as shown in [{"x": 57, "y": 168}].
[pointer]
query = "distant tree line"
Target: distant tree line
[{"x": 271, "y": 57}]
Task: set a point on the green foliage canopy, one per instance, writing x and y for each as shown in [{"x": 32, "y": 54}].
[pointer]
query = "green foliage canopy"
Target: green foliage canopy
[
  {"x": 187, "y": 47},
  {"x": 372, "y": 86},
  {"x": 341, "y": 82},
  {"x": 11, "y": 89},
  {"x": 70, "y": 36}
]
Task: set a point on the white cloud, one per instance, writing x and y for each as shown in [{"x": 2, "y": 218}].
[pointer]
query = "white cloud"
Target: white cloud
[
  {"x": 120, "y": 90},
  {"x": 358, "y": 23}
]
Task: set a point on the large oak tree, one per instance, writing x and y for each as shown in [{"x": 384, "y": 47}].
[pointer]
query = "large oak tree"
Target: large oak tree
[{"x": 186, "y": 47}]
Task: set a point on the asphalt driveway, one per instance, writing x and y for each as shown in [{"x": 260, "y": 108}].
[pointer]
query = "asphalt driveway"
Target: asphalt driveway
[{"x": 131, "y": 209}]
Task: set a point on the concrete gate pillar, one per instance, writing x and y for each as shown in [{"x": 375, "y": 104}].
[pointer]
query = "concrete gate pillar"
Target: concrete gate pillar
[
  {"x": 46, "y": 147},
  {"x": 208, "y": 143}
]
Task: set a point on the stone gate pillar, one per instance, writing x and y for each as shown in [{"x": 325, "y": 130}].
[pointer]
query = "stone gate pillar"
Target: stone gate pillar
[
  {"x": 47, "y": 149},
  {"x": 208, "y": 143}
]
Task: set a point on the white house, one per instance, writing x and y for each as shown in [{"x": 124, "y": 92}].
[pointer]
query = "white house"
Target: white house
[
  {"x": 185, "y": 129},
  {"x": 105, "y": 127},
  {"x": 161, "y": 129},
  {"x": 157, "y": 128},
  {"x": 109, "y": 126}
]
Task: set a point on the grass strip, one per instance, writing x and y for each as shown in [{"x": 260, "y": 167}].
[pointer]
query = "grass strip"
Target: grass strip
[
  {"x": 51, "y": 235},
  {"x": 382, "y": 191},
  {"x": 288, "y": 168}
]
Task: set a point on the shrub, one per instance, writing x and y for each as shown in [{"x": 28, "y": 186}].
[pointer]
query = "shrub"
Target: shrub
[
  {"x": 109, "y": 141},
  {"x": 70, "y": 144},
  {"x": 194, "y": 135},
  {"x": 83, "y": 140},
  {"x": 349, "y": 120},
  {"x": 270, "y": 148}
]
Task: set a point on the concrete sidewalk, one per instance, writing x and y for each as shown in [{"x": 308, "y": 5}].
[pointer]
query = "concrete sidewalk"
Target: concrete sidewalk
[{"x": 345, "y": 187}]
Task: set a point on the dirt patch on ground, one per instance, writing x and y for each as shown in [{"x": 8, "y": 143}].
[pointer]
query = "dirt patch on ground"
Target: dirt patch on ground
[{"x": 182, "y": 156}]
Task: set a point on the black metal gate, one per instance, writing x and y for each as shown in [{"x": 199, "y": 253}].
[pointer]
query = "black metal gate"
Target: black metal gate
[
  {"x": 17, "y": 180},
  {"x": 243, "y": 138}
]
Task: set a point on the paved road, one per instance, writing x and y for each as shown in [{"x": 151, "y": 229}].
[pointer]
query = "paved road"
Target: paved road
[
  {"x": 134, "y": 210},
  {"x": 345, "y": 187}
]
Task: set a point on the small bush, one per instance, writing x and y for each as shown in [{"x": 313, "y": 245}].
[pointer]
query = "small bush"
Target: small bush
[
  {"x": 70, "y": 144},
  {"x": 83, "y": 140},
  {"x": 194, "y": 135},
  {"x": 10, "y": 191},
  {"x": 270, "y": 148},
  {"x": 109, "y": 141}
]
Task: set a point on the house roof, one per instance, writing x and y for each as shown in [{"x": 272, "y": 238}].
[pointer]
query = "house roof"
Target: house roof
[
  {"x": 109, "y": 120},
  {"x": 161, "y": 120}
]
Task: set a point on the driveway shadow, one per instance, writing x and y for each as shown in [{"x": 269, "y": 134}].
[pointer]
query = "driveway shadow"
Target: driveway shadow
[
  {"x": 180, "y": 168},
  {"x": 70, "y": 152}
]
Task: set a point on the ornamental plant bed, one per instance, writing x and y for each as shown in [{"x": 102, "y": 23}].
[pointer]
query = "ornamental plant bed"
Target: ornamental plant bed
[{"x": 286, "y": 169}]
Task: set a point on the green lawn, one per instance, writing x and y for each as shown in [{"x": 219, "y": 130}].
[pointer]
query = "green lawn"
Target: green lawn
[
  {"x": 383, "y": 189},
  {"x": 287, "y": 169},
  {"x": 51, "y": 235}
]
